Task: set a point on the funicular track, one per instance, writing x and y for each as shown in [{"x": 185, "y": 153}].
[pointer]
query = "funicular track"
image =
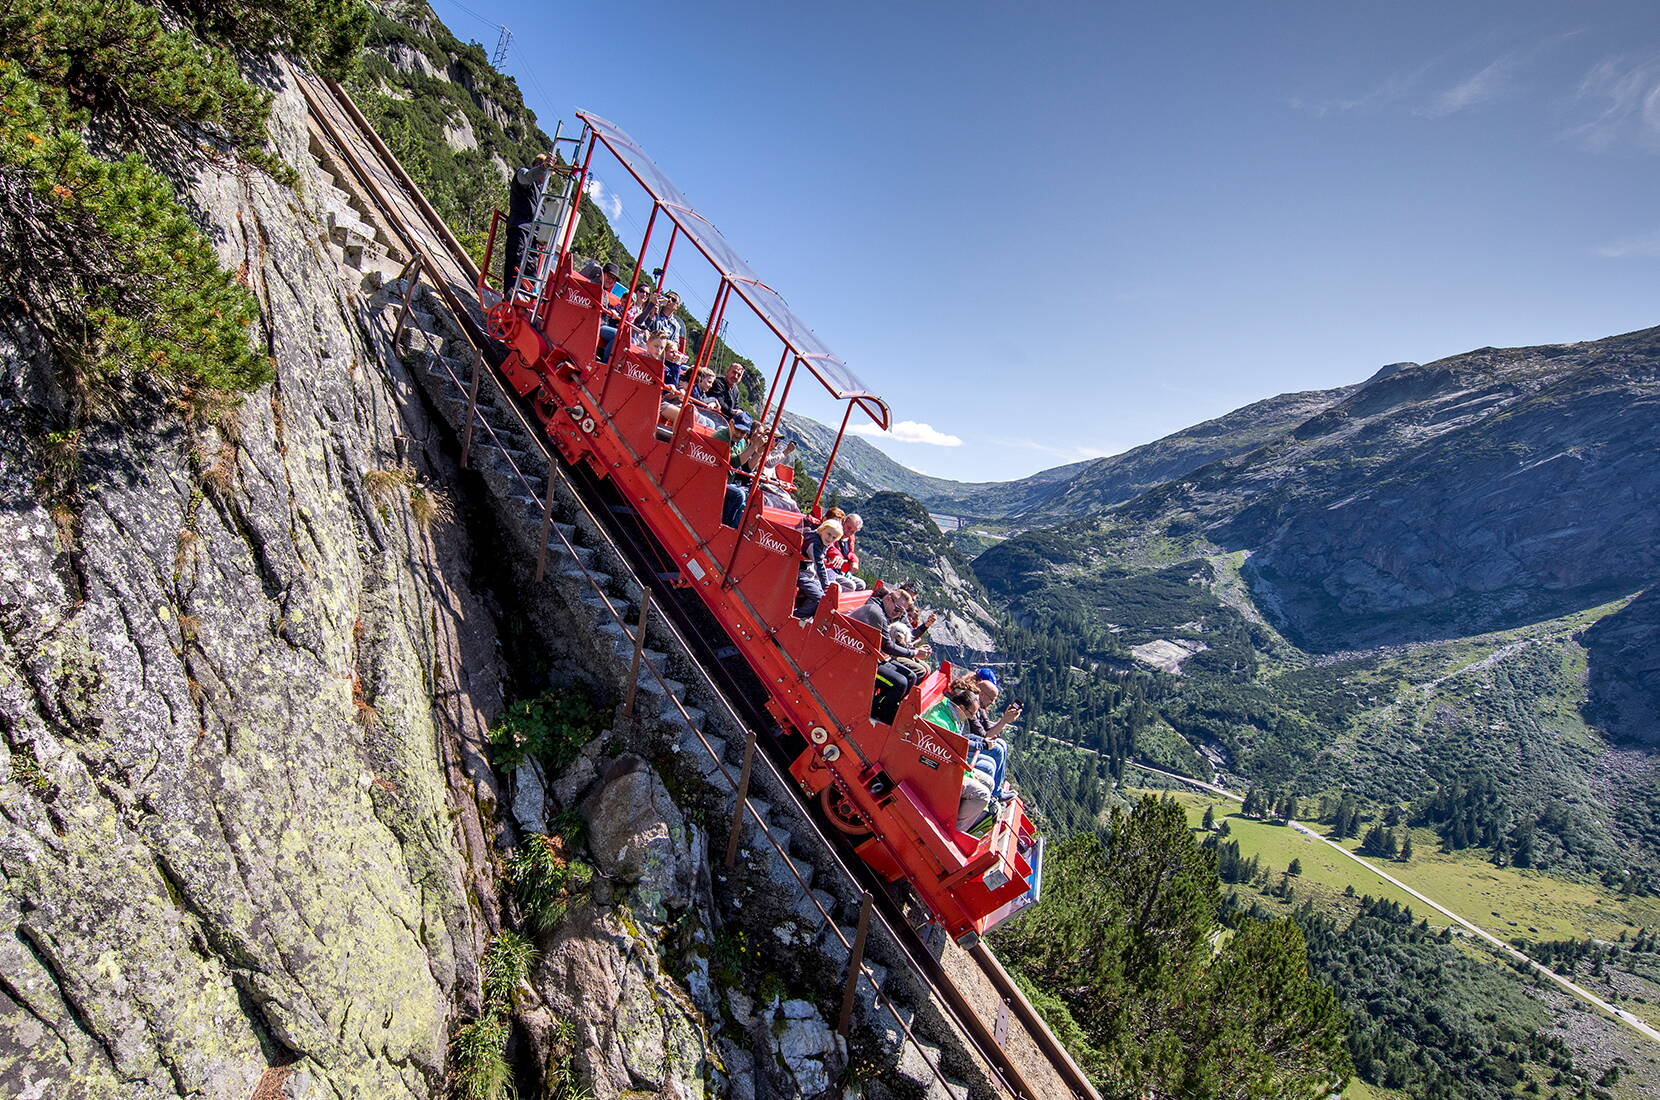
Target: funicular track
[{"x": 433, "y": 253}]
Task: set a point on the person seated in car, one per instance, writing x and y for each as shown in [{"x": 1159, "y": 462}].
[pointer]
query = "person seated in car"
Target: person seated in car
[
  {"x": 842, "y": 557},
  {"x": 704, "y": 411},
  {"x": 956, "y": 711},
  {"x": 811, "y": 580},
  {"x": 661, "y": 316},
  {"x": 984, "y": 734},
  {"x": 892, "y": 681},
  {"x": 611, "y": 294},
  {"x": 725, "y": 393},
  {"x": 899, "y": 632},
  {"x": 674, "y": 360},
  {"x": 920, "y": 623},
  {"x": 774, "y": 493}
]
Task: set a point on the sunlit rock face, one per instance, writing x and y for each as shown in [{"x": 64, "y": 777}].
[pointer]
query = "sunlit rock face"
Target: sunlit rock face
[{"x": 226, "y": 844}]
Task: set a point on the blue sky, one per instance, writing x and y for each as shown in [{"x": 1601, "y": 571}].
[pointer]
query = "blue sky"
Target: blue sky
[{"x": 1050, "y": 231}]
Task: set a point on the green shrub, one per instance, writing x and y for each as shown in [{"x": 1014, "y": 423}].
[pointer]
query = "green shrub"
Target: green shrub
[
  {"x": 546, "y": 881},
  {"x": 550, "y": 729},
  {"x": 26, "y": 769}
]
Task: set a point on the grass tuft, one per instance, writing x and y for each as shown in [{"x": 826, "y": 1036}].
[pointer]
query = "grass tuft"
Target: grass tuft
[
  {"x": 478, "y": 1059},
  {"x": 385, "y": 484},
  {"x": 26, "y": 770},
  {"x": 429, "y": 505},
  {"x": 506, "y": 968},
  {"x": 547, "y": 882}
]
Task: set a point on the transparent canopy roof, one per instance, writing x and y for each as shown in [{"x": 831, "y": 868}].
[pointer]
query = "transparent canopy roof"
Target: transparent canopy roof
[{"x": 769, "y": 306}]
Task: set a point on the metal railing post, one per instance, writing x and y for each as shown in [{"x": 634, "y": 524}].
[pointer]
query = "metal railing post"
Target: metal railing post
[
  {"x": 855, "y": 962},
  {"x": 409, "y": 276},
  {"x": 743, "y": 800},
  {"x": 472, "y": 411},
  {"x": 639, "y": 650},
  {"x": 547, "y": 526}
]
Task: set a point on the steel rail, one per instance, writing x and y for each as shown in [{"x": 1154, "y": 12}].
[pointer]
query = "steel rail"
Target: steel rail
[{"x": 889, "y": 910}]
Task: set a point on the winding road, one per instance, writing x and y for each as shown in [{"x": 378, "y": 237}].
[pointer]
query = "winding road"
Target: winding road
[{"x": 1636, "y": 1023}]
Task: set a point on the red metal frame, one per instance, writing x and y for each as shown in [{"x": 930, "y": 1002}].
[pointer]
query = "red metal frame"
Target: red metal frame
[{"x": 904, "y": 778}]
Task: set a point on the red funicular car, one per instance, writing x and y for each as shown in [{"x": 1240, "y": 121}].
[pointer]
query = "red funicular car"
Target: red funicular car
[{"x": 893, "y": 788}]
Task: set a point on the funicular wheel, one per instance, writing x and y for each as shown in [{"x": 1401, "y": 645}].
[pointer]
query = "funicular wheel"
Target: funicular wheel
[
  {"x": 498, "y": 319},
  {"x": 841, "y": 812}
]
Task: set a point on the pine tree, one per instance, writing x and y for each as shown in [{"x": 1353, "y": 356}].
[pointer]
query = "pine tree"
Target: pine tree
[
  {"x": 1406, "y": 848},
  {"x": 1295, "y": 867},
  {"x": 1125, "y": 940},
  {"x": 1209, "y": 822},
  {"x": 117, "y": 276}
]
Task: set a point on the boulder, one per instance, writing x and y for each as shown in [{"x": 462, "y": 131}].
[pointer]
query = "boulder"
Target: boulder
[{"x": 639, "y": 837}]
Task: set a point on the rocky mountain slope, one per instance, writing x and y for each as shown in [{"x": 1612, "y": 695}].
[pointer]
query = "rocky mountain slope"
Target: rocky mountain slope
[
  {"x": 1429, "y": 578},
  {"x": 901, "y": 543},
  {"x": 1078, "y": 488},
  {"x": 1479, "y": 492},
  {"x": 1085, "y": 488}
]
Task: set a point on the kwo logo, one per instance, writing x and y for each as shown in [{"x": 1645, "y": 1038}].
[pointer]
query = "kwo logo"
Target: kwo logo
[
  {"x": 845, "y": 637},
  {"x": 698, "y": 454},
  {"x": 769, "y": 541},
  {"x": 576, "y": 299},
  {"x": 634, "y": 373},
  {"x": 928, "y": 744}
]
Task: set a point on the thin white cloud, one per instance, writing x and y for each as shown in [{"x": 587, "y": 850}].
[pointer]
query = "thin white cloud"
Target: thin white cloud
[
  {"x": 1625, "y": 97},
  {"x": 604, "y": 197},
  {"x": 910, "y": 431},
  {"x": 1065, "y": 454},
  {"x": 1630, "y": 247},
  {"x": 1489, "y": 83},
  {"x": 1425, "y": 92}
]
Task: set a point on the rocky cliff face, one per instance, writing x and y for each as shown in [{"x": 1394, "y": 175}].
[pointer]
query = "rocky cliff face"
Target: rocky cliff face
[
  {"x": 250, "y": 840},
  {"x": 901, "y": 543},
  {"x": 237, "y": 679}
]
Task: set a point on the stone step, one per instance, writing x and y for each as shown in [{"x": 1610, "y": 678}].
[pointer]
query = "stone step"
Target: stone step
[
  {"x": 691, "y": 748},
  {"x": 342, "y": 218},
  {"x": 496, "y": 427},
  {"x": 809, "y": 911},
  {"x": 568, "y": 556},
  {"x": 673, "y": 716},
  {"x": 650, "y": 686},
  {"x": 914, "y": 1062},
  {"x": 447, "y": 375},
  {"x": 424, "y": 330},
  {"x": 782, "y": 837},
  {"x": 601, "y": 605},
  {"x": 806, "y": 870},
  {"x": 886, "y": 1017},
  {"x": 833, "y": 948}
]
